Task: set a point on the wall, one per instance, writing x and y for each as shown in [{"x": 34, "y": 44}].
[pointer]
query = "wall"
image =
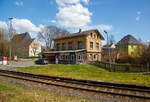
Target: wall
[
  {"x": 136, "y": 50},
  {"x": 74, "y": 41},
  {"x": 94, "y": 40},
  {"x": 96, "y": 53},
  {"x": 34, "y": 47}
]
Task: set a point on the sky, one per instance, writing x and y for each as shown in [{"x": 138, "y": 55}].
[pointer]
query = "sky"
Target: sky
[{"x": 117, "y": 17}]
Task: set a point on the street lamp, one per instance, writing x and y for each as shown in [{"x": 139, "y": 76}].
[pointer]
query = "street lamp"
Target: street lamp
[
  {"x": 108, "y": 47},
  {"x": 10, "y": 38}
]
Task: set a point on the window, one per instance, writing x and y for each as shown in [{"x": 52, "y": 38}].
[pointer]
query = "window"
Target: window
[
  {"x": 94, "y": 36},
  {"x": 79, "y": 57},
  {"x": 60, "y": 57},
  {"x": 91, "y": 57},
  {"x": 63, "y": 57},
  {"x": 63, "y": 46},
  {"x": 70, "y": 46},
  {"x": 79, "y": 44},
  {"x": 57, "y": 46},
  {"x": 131, "y": 53},
  {"x": 94, "y": 56},
  {"x": 132, "y": 47},
  {"x": 66, "y": 57},
  {"x": 91, "y": 45},
  {"x": 97, "y": 45},
  {"x": 91, "y": 35},
  {"x": 72, "y": 57}
]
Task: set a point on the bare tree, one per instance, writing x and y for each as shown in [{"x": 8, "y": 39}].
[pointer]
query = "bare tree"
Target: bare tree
[
  {"x": 34, "y": 49},
  {"x": 4, "y": 43},
  {"x": 111, "y": 39},
  {"x": 47, "y": 34},
  {"x": 145, "y": 58}
]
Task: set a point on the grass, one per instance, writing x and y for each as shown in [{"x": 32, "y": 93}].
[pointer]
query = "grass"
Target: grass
[
  {"x": 89, "y": 72},
  {"x": 123, "y": 67},
  {"x": 16, "y": 93}
]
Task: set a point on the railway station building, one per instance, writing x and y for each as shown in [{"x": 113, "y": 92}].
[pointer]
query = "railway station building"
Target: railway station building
[{"x": 77, "y": 48}]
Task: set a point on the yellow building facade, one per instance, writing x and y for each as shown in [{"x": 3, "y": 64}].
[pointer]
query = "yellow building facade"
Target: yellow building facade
[{"x": 81, "y": 47}]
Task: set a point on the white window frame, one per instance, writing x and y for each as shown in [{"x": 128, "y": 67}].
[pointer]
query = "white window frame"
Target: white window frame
[{"x": 79, "y": 57}]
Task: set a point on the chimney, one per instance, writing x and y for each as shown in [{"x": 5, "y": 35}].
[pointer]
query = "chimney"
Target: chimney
[{"x": 80, "y": 30}]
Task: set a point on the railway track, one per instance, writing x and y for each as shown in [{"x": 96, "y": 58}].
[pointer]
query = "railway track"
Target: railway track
[{"x": 127, "y": 90}]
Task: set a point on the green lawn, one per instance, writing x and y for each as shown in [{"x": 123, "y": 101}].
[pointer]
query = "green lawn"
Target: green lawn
[
  {"x": 89, "y": 72},
  {"x": 17, "y": 93}
]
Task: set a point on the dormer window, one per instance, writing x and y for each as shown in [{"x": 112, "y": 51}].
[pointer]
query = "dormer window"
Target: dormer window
[{"x": 91, "y": 35}]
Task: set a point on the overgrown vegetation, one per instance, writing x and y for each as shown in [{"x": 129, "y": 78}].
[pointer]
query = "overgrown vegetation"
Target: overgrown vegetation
[
  {"x": 17, "y": 93},
  {"x": 4, "y": 43},
  {"x": 89, "y": 72},
  {"x": 115, "y": 67}
]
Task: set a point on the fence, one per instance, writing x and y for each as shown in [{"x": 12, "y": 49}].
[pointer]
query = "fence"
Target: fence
[{"x": 123, "y": 67}]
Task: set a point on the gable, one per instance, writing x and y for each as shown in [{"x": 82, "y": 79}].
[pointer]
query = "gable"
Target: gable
[{"x": 129, "y": 39}]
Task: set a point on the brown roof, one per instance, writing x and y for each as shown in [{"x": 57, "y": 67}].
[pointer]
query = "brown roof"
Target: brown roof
[
  {"x": 66, "y": 51},
  {"x": 82, "y": 33},
  {"x": 129, "y": 39},
  {"x": 29, "y": 42},
  {"x": 20, "y": 37}
]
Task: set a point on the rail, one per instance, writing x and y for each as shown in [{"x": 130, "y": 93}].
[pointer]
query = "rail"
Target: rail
[{"x": 128, "y": 90}]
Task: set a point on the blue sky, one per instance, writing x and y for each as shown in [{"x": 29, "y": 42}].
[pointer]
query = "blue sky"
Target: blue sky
[{"x": 118, "y": 17}]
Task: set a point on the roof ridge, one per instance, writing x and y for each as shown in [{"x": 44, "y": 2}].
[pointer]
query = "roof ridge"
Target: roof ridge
[
  {"x": 82, "y": 33},
  {"x": 128, "y": 39}
]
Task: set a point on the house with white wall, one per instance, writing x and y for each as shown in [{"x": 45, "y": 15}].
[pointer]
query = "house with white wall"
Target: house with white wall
[{"x": 24, "y": 46}]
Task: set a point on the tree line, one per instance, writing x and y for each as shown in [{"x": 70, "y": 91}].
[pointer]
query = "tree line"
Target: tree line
[{"x": 46, "y": 35}]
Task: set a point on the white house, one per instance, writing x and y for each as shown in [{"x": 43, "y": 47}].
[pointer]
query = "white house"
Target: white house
[{"x": 25, "y": 46}]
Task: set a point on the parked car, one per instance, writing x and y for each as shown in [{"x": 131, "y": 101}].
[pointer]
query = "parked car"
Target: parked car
[{"x": 41, "y": 61}]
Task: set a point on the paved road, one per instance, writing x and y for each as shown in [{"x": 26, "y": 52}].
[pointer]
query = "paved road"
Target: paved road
[{"x": 23, "y": 63}]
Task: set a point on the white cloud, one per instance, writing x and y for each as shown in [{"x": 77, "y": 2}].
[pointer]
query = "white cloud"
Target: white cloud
[
  {"x": 3, "y": 25},
  {"x": 100, "y": 27},
  {"x": 66, "y": 2},
  {"x": 19, "y": 3},
  {"x": 25, "y": 25},
  {"x": 72, "y": 14},
  {"x": 85, "y": 1},
  {"x": 52, "y": 21},
  {"x": 137, "y": 18},
  {"x": 139, "y": 12},
  {"x": 105, "y": 27}
]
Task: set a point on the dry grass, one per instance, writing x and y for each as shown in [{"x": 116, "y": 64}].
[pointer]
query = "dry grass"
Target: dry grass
[{"x": 16, "y": 93}]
